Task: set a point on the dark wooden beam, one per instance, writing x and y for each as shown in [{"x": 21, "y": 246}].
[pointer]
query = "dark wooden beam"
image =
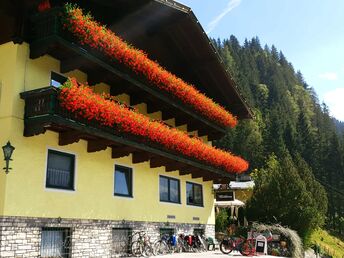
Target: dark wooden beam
[
  {"x": 152, "y": 107},
  {"x": 208, "y": 178},
  {"x": 69, "y": 137},
  {"x": 167, "y": 114},
  {"x": 196, "y": 175},
  {"x": 221, "y": 180},
  {"x": 32, "y": 129},
  {"x": 159, "y": 161},
  {"x": 121, "y": 86},
  {"x": 97, "y": 145},
  {"x": 202, "y": 132},
  {"x": 119, "y": 152},
  {"x": 214, "y": 135},
  {"x": 180, "y": 120},
  {"x": 174, "y": 166},
  {"x": 136, "y": 99},
  {"x": 95, "y": 78},
  {"x": 188, "y": 170},
  {"x": 199, "y": 173},
  {"x": 71, "y": 64},
  {"x": 139, "y": 157},
  {"x": 193, "y": 126}
]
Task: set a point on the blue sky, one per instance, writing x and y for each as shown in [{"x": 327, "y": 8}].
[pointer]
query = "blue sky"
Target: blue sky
[{"x": 310, "y": 33}]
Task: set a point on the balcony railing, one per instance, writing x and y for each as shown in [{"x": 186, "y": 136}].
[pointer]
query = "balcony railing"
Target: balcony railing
[
  {"x": 48, "y": 37},
  {"x": 43, "y": 112}
]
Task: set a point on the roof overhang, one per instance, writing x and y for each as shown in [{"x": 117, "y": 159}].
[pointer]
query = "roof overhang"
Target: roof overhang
[
  {"x": 227, "y": 204},
  {"x": 167, "y": 30}
]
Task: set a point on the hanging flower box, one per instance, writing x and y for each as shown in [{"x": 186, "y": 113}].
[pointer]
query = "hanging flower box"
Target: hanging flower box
[
  {"x": 82, "y": 102},
  {"x": 104, "y": 44}
]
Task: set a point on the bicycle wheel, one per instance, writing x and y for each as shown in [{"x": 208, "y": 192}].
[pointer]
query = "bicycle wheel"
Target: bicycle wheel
[
  {"x": 247, "y": 248},
  {"x": 137, "y": 248},
  {"x": 179, "y": 247},
  {"x": 148, "y": 251},
  {"x": 226, "y": 246},
  {"x": 160, "y": 247}
]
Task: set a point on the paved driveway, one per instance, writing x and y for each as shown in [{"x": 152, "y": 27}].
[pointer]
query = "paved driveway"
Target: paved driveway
[{"x": 217, "y": 254}]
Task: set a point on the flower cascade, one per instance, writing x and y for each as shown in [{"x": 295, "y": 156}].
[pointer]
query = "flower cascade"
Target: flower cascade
[
  {"x": 83, "y": 102},
  {"x": 97, "y": 36}
]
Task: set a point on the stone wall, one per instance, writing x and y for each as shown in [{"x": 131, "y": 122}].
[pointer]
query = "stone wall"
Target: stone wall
[
  {"x": 18, "y": 238},
  {"x": 21, "y": 236}
]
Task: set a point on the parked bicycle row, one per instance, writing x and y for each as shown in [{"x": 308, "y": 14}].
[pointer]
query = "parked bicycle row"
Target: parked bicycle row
[{"x": 141, "y": 244}]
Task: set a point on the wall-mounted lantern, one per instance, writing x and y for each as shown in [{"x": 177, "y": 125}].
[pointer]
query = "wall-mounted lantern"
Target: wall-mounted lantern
[{"x": 8, "y": 150}]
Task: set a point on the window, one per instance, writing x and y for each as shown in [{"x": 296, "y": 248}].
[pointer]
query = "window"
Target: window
[
  {"x": 198, "y": 232},
  {"x": 56, "y": 242},
  {"x": 123, "y": 181},
  {"x": 194, "y": 194},
  {"x": 57, "y": 80},
  {"x": 166, "y": 231},
  {"x": 60, "y": 170},
  {"x": 169, "y": 189},
  {"x": 121, "y": 241}
]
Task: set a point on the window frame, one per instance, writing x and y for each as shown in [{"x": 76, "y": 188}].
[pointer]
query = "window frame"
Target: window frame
[
  {"x": 199, "y": 231},
  {"x": 66, "y": 233},
  {"x": 72, "y": 176},
  {"x": 130, "y": 233},
  {"x": 54, "y": 76},
  {"x": 193, "y": 193},
  {"x": 130, "y": 186},
  {"x": 167, "y": 231},
  {"x": 169, "y": 191}
]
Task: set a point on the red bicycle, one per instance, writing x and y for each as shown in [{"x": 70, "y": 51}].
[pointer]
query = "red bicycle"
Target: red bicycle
[{"x": 244, "y": 246}]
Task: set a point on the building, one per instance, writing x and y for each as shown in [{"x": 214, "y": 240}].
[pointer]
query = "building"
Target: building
[
  {"x": 233, "y": 197},
  {"x": 76, "y": 187}
]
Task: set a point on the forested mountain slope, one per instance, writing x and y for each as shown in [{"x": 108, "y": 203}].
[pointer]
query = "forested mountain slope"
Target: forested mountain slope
[{"x": 295, "y": 149}]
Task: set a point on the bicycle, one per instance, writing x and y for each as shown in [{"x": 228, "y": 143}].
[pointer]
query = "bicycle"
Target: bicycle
[
  {"x": 201, "y": 243},
  {"x": 186, "y": 243},
  {"x": 142, "y": 246},
  {"x": 168, "y": 244},
  {"x": 241, "y": 244}
]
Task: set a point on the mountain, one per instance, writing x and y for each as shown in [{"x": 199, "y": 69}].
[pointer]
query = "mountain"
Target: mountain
[
  {"x": 289, "y": 122},
  {"x": 339, "y": 126}
]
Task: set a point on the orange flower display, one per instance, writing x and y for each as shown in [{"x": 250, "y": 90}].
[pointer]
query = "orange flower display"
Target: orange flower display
[
  {"x": 96, "y": 36},
  {"x": 83, "y": 102}
]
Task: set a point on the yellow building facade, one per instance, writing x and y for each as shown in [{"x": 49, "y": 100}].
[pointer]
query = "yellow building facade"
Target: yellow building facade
[
  {"x": 93, "y": 196},
  {"x": 113, "y": 188}
]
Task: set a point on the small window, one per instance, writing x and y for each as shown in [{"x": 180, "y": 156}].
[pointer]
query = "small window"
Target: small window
[
  {"x": 60, "y": 170},
  {"x": 198, "y": 231},
  {"x": 194, "y": 194},
  {"x": 121, "y": 242},
  {"x": 169, "y": 189},
  {"x": 166, "y": 232},
  {"x": 123, "y": 181},
  {"x": 56, "y": 242},
  {"x": 57, "y": 80}
]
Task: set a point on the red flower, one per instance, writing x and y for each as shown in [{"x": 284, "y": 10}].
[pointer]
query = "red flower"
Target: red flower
[
  {"x": 83, "y": 102},
  {"x": 91, "y": 33}
]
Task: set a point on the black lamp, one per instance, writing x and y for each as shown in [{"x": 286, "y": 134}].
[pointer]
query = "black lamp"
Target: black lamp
[{"x": 8, "y": 150}]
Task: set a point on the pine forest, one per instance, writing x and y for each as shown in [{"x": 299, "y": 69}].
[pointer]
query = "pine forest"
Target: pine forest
[{"x": 295, "y": 148}]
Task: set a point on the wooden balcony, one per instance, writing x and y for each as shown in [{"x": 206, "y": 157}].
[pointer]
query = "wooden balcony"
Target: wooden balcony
[
  {"x": 43, "y": 112},
  {"x": 48, "y": 37}
]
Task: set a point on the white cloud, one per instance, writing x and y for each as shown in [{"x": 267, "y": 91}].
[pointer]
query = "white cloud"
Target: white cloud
[
  {"x": 335, "y": 101},
  {"x": 331, "y": 76},
  {"x": 230, "y": 6}
]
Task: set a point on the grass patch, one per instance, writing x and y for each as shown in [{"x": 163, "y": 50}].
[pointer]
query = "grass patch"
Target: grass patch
[{"x": 328, "y": 243}]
